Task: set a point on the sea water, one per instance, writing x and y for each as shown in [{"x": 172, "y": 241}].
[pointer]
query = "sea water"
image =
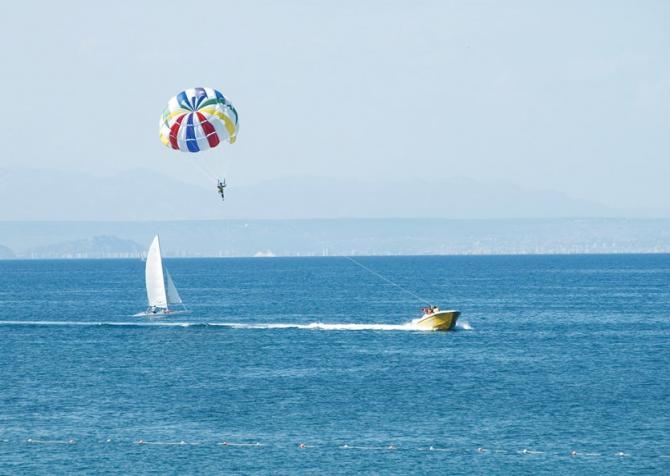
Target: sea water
[{"x": 560, "y": 364}]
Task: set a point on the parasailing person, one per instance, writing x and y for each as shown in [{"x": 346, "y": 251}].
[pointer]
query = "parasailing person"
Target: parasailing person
[
  {"x": 196, "y": 120},
  {"x": 221, "y": 186}
]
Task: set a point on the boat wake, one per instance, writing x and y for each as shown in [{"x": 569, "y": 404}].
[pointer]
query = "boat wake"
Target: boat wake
[
  {"x": 464, "y": 326},
  {"x": 320, "y": 326}
]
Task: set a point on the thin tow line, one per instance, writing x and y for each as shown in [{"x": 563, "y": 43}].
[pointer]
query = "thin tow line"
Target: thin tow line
[{"x": 388, "y": 280}]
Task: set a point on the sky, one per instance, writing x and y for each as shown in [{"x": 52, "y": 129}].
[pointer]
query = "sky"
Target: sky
[{"x": 570, "y": 97}]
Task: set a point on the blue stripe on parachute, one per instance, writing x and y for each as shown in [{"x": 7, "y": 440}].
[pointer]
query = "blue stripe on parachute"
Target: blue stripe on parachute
[
  {"x": 183, "y": 101},
  {"x": 200, "y": 96},
  {"x": 191, "y": 142}
]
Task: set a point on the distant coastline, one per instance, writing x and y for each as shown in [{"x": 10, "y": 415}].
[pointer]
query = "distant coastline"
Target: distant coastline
[{"x": 334, "y": 237}]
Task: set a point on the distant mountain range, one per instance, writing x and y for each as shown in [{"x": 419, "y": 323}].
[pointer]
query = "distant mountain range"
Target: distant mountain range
[
  {"x": 52, "y": 214},
  {"x": 88, "y": 248},
  {"x": 145, "y": 195},
  {"x": 267, "y": 238}
]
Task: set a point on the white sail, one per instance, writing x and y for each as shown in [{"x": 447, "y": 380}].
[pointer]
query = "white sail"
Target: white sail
[
  {"x": 172, "y": 293},
  {"x": 154, "y": 276}
]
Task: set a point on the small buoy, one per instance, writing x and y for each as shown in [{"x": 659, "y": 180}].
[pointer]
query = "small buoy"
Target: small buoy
[
  {"x": 71, "y": 442},
  {"x": 108, "y": 440},
  {"x": 480, "y": 450},
  {"x": 301, "y": 445},
  {"x": 431, "y": 449},
  {"x": 391, "y": 447},
  {"x": 573, "y": 453},
  {"x": 225, "y": 443},
  {"x": 619, "y": 453},
  {"x": 29, "y": 440},
  {"x": 140, "y": 442},
  {"x": 182, "y": 442}
]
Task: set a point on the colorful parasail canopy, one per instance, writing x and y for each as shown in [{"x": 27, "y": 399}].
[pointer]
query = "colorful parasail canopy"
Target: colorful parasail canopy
[{"x": 198, "y": 119}]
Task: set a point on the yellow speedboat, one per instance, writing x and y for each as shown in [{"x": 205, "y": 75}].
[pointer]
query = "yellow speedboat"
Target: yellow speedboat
[{"x": 435, "y": 320}]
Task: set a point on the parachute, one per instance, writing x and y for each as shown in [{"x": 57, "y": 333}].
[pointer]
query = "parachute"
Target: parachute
[{"x": 198, "y": 119}]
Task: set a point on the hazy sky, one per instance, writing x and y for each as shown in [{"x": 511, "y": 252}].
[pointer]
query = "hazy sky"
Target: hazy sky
[{"x": 566, "y": 96}]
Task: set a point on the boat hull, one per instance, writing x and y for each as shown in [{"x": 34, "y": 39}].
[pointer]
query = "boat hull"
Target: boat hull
[
  {"x": 161, "y": 313},
  {"x": 438, "y": 321}
]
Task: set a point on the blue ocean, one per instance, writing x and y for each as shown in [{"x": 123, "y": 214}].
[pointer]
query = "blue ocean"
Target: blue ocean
[{"x": 559, "y": 365}]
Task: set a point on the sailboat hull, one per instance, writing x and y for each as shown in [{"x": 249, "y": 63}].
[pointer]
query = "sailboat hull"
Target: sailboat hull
[
  {"x": 161, "y": 313},
  {"x": 438, "y": 321}
]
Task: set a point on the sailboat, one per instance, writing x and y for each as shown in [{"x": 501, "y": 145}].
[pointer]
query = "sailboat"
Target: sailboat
[{"x": 162, "y": 294}]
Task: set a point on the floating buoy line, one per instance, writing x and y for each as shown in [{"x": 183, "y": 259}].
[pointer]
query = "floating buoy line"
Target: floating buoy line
[
  {"x": 228, "y": 443},
  {"x": 377, "y": 448},
  {"x": 50, "y": 442},
  {"x": 524, "y": 452}
]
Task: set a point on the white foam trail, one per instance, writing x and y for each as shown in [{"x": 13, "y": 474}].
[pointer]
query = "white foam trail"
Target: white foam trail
[
  {"x": 94, "y": 324},
  {"x": 322, "y": 326},
  {"x": 231, "y": 325},
  {"x": 463, "y": 325}
]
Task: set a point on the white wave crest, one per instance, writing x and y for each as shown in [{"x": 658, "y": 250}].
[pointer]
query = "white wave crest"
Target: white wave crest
[{"x": 322, "y": 326}]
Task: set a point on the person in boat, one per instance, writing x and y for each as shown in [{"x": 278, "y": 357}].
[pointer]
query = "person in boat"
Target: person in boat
[
  {"x": 153, "y": 310},
  {"x": 220, "y": 186},
  {"x": 430, "y": 310}
]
